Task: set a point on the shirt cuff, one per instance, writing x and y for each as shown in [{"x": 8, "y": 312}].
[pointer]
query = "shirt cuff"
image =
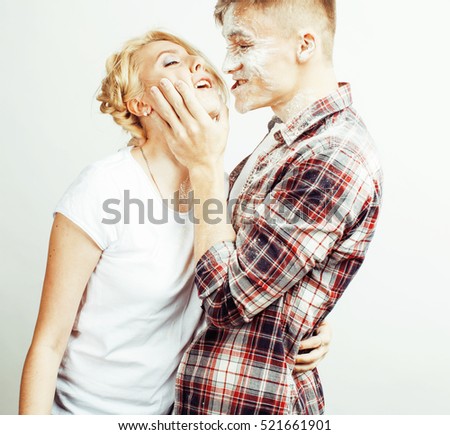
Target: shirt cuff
[{"x": 212, "y": 268}]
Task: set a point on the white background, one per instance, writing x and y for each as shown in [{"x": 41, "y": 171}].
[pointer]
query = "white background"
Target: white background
[{"x": 390, "y": 350}]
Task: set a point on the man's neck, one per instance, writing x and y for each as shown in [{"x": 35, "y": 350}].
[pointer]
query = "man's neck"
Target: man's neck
[{"x": 315, "y": 84}]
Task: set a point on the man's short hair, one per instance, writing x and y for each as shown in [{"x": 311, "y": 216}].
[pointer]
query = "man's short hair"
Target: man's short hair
[{"x": 321, "y": 13}]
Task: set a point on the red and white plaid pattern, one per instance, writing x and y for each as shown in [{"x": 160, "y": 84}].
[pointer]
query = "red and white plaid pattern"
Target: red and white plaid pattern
[{"x": 304, "y": 221}]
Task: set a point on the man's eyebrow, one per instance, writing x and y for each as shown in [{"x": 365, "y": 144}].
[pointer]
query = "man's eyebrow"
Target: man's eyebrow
[{"x": 238, "y": 33}]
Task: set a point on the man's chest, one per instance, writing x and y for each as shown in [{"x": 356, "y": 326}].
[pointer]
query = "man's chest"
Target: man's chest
[{"x": 251, "y": 186}]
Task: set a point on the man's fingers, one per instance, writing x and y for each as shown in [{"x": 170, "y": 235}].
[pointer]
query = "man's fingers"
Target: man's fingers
[
  {"x": 160, "y": 123},
  {"x": 311, "y": 343},
  {"x": 310, "y": 357},
  {"x": 165, "y": 129},
  {"x": 191, "y": 102},
  {"x": 324, "y": 332},
  {"x": 164, "y": 109},
  {"x": 319, "y": 344},
  {"x": 322, "y": 338},
  {"x": 175, "y": 99},
  {"x": 302, "y": 368}
]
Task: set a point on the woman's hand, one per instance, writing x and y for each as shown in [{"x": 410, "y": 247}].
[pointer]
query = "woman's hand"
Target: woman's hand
[
  {"x": 319, "y": 345},
  {"x": 196, "y": 139}
]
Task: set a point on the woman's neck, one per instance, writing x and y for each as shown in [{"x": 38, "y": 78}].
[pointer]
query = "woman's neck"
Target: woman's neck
[{"x": 161, "y": 165}]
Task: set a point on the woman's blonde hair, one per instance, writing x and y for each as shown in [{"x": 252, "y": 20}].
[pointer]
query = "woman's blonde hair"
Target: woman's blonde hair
[{"x": 122, "y": 83}]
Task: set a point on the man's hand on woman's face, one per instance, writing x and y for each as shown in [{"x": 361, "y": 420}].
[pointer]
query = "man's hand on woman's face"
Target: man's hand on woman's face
[
  {"x": 318, "y": 344},
  {"x": 194, "y": 137}
]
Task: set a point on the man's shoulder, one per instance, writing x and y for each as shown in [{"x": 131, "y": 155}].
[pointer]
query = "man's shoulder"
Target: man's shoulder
[
  {"x": 345, "y": 139},
  {"x": 341, "y": 145}
]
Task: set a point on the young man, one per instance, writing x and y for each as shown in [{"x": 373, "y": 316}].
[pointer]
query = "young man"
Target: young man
[{"x": 306, "y": 204}]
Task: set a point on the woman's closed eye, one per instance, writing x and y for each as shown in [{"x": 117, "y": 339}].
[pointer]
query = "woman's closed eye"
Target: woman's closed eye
[{"x": 171, "y": 60}]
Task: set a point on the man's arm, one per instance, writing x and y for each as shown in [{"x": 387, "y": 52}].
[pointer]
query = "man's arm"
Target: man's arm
[
  {"x": 198, "y": 141},
  {"x": 210, "y": 208},
  {"x": 295, "y": 229}
]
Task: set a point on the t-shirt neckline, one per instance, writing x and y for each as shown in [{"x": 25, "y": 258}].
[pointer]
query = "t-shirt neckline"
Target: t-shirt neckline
[{"x": 150, "y": 183}]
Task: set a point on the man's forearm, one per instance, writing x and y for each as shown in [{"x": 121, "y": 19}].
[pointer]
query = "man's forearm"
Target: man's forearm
[{"x": 210, "y": 209}]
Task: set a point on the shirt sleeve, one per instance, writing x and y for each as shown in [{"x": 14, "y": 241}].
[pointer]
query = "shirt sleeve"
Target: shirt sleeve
[
  {"x": 292, "y": 231},
  {"x": 226, "y": 181},
  {"x": 83, "y": 203}
]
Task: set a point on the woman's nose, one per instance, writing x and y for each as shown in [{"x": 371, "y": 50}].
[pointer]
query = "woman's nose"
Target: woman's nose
[{"x": 198, "y": 64}]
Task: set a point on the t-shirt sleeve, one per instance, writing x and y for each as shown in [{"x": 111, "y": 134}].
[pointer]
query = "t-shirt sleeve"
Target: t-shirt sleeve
[{"x": 83, "y": 203}]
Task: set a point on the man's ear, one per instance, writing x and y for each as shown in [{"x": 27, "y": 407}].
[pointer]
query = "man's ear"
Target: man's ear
[
  {"x": 138, "y": 107},
  {"x": 306, "y": 47}
]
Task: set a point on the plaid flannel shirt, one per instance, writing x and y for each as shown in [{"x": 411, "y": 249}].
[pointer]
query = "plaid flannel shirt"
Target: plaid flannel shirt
[{"x": 304, "y": 221}]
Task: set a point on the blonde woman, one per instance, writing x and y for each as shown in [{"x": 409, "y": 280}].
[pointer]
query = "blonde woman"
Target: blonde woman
[{"x": 118, "y": 306}]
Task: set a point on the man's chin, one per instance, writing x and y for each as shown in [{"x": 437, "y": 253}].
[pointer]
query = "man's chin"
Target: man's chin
[
  {"x": 243, "y": 106},
  {"x": 242, "y": 110}
]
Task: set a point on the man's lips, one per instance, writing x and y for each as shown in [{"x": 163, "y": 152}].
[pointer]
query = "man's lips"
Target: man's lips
[{"x": 238, "y": 83}]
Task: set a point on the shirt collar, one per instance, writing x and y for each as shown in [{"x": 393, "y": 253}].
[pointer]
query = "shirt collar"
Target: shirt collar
[
  {"x": 273, "y": 122},
  {"x": 335, "y": 102}
]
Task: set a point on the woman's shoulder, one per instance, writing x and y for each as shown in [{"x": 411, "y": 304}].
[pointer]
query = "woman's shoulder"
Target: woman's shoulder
[
  {"x": 102, "y": 176},
  {"x": 110, "y": 164},
  {"x": 84, "y": 200}
]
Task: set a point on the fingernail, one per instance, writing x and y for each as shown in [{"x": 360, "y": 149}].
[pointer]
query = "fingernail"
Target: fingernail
[
  {"x": 164, "y": 83},
  {"x": 154, "y": 90},
  {"x": 178, "y": 83}
]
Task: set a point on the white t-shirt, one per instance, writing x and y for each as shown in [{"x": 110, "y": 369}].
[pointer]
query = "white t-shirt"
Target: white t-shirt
[{"x": 140, "y": 310}]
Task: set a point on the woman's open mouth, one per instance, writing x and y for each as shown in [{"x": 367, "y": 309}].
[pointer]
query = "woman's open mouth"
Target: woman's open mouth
[{"x": 203, "y": 83}]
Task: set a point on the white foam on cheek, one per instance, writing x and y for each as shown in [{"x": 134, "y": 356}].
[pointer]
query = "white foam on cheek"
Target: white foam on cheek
[
  {"x": 254, "y": 60},
  {"x": 230, "y": 26}
]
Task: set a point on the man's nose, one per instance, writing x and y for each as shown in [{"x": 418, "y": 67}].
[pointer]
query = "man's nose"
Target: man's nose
[{"x": 230, "y": 64}]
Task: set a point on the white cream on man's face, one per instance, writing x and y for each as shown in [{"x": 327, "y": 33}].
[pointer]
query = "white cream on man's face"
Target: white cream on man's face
[
  {"x": 259, "y": 59},
  {"x": 247, "y": 58}
]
